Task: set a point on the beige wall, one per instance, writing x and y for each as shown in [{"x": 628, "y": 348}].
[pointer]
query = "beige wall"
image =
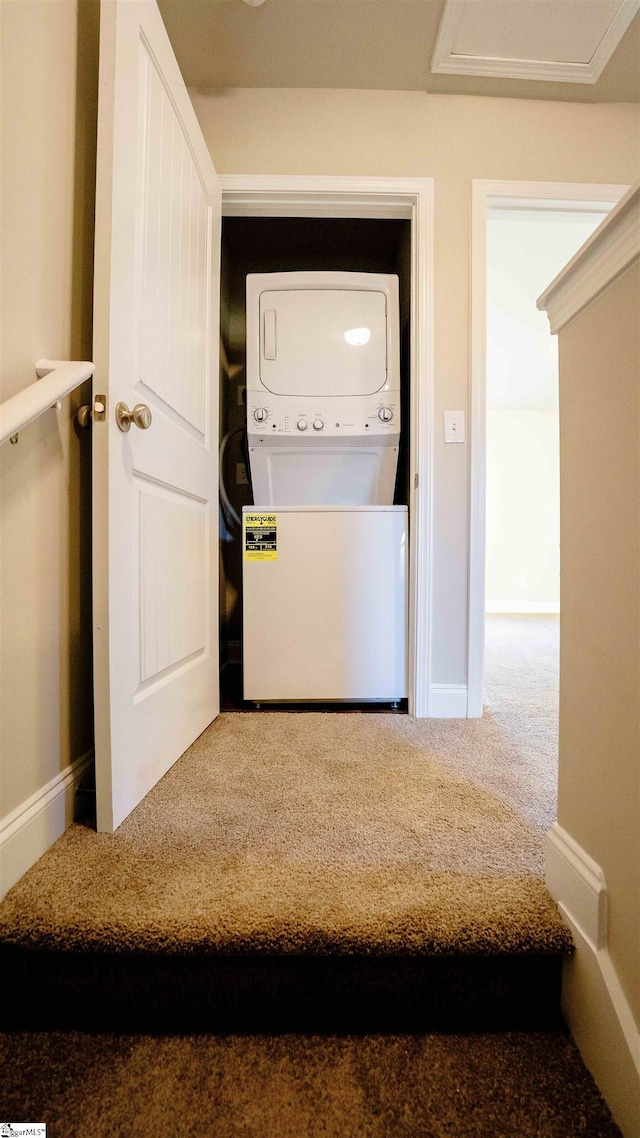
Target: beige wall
[
  {"x": 599, "y": 784},
  {"x": 49, "y": 90},
  {"x": 452, "y": 139},
  {"x": 523, "y": 511},
  {"x": 49, "y": 74}
]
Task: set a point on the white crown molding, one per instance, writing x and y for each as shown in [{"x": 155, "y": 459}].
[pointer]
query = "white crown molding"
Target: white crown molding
[
  {"x": 445, "y": 62},
  {"x": 608, "y": 253}
]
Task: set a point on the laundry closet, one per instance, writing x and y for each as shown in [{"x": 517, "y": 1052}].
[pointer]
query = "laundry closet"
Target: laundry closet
[{"x": 314, "y": 461}]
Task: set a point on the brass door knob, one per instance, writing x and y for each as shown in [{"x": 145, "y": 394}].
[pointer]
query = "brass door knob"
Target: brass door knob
[
  {"x": 83, "y": 416},
  {"x": 141, "y": 416}
]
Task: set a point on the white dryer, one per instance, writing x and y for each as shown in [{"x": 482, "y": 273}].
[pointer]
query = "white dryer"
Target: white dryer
[{"x": 323, "y": 388}]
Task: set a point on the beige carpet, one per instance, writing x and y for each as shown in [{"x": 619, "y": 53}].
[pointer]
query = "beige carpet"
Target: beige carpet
[
  {"x": 323, "y": 833},
  {"x": 326, "y": 833},
  {"x": 435, "y": 1086}
]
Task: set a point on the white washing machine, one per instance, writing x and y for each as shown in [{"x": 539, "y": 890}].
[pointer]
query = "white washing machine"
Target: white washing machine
[
  {"x": 323, "y": 388},
  {"x": 325, "y": 603}
]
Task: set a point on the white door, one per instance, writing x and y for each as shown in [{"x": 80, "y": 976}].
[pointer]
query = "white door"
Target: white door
[{"x": 155, "y": 490}]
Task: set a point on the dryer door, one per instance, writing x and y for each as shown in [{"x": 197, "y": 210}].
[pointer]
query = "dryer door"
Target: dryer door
[{"x": 323, "y": 342}]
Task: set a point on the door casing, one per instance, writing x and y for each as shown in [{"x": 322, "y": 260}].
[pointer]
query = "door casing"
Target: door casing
[
  {"x": 516, "y": 195},
  {"x": 308, "y": 196}
]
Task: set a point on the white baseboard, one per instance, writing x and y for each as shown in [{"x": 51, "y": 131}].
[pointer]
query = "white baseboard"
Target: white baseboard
[
  {"x": 578, "y": 884},
  {"x": 448, "y": 701},
  {"x": 522, "y": 607},
  {"x": 29, "y": 830},
  {"x": 602, "y": 1025},
  {"x": 593, "y": 1000}
]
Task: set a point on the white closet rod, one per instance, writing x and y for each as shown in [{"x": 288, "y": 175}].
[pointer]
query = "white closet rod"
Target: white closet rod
[{"x": 56, "y": 378}]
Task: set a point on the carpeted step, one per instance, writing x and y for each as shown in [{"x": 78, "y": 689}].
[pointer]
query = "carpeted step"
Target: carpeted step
[
  {"x": 275, "y": 994},
  {"x": 331, "y": 872},
  {"x": 393, "y": 1086}
]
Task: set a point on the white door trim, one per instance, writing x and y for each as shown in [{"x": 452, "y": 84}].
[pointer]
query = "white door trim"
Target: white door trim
[
  {"x": 516, "y": 195},
  {"x": 303, "y": 196}
]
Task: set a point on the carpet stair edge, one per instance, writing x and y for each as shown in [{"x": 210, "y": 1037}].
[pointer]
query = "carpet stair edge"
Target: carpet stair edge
[{"x": 279, "y": 993}]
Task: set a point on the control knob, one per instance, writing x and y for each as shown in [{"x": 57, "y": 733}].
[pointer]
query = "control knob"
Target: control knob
[
  {"x": 260, "y": 414},
  {"x": 385, "y": 414},
  {"x": 302, "y": 424},
  {"x": 318, "y": 424}
]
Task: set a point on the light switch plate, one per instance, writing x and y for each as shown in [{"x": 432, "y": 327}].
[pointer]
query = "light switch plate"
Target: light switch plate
[{"x": 454, "y": 426}]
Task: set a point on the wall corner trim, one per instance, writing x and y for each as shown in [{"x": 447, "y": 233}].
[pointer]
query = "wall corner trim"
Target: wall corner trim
[
  {"x": 29, "y": 830},
  {"x": 577, "y": 883},
  {"x": 604, "y": 257}
]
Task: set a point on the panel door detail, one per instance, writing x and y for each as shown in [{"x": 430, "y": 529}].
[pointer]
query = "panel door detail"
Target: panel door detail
[{"x": 155, "y": 342}]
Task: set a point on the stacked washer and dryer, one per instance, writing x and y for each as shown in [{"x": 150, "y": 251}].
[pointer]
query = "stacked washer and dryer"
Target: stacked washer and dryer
[{"x": 324, "y": 547}]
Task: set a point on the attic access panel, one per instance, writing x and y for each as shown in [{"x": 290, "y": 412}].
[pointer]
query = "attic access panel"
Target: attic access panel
[{"x": 567, "y": 41}]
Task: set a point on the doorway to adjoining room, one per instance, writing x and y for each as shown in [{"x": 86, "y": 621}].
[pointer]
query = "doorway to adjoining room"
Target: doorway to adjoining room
[
  {"x": 256, "y": 244},
  {"x": 525, "y": 249}
]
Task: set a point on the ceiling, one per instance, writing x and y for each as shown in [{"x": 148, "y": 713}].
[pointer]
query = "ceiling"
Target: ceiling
[{"x": 369, "y": 44}]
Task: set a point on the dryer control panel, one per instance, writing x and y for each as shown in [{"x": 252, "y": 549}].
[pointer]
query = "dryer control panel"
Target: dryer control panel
[{"x": 335, "y": 418}]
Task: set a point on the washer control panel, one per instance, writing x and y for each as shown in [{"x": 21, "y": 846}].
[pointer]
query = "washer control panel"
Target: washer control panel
[{"x": 335, "y": 418}]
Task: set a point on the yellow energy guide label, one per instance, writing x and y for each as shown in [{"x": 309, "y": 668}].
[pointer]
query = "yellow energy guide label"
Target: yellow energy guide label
[{"x": 261, "y": 537}]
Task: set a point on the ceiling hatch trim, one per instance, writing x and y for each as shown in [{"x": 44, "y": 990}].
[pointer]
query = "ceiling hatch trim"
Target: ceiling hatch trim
[{"x": 445, "y": 61}]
